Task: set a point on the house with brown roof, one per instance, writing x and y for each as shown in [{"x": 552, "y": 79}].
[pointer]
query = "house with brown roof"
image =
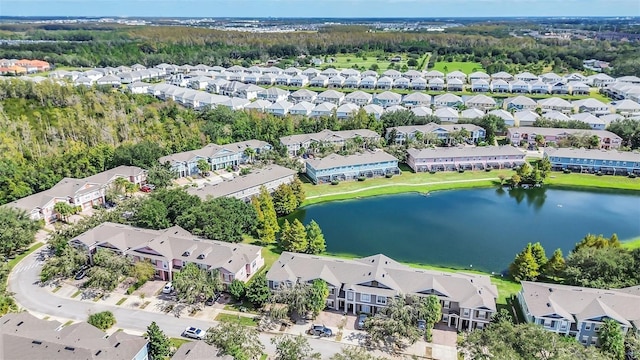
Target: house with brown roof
[
  {"x": 579, "y": 312},
  {"x": 169, "y": 250},
  {"x": 336, "y": 167},
  {"x": 365, "y": 285},
  {"x": 464, "y": 158},
  {"x": 24, "y": 336}
]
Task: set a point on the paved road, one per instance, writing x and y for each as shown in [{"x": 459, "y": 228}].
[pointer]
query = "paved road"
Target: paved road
[{"x": 23, "y": 281}]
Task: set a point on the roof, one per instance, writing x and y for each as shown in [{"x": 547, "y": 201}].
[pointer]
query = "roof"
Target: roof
[
  {"x": 578, "y": 303},
  {"x": 256, "y": 178},
  {"x": 26, "y": 337},
  {"x": 422, "y": 111},
  {"x": 388, "y": 95},
  {"x": 358, "y": 95},
  {"x": 198, "y": 350},
  {"x": 334, "y": 160},
  {"x": 521, "y": 100},
  {"x": 433, "y": 127},
  {"x": 448, "y": 98},
  {"x": 559, "y": 132},
  {"x": 465, "y": 151},
  {"x": 472, "y": 113},
  {"x": 555, "y": 102},
  {"x": 481, "y": 99},
  {"x": 391, "y": 277},
  {"x": 168, "y": 244},
  {"x": 332, "y": 94},
  {"x": 211, "y": 150},
  {"x": 594, "y": 154},
  {"x": 328, "y": 136}
]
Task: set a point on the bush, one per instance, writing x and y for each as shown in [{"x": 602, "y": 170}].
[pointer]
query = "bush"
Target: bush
[
  {"x": 566, "y": 171},
  {"x": 102, "y": 320},
  {"x": 335, "y": 182},
  {"x": 487, "y": 169},
  {"x": 599, "y": 173},
  {"x": 461, "y": 171},
  {"x": 361, "y": 178},
  {"x": 135, "y": 286},
  {"x": 632, "y": 176},
  {"x": 388, "y": 176}
]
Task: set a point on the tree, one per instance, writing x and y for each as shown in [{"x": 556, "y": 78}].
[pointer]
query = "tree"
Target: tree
[
  {"x": 598, "y": 242},
  {"x": 515, "y": 180},
  {"x": 354, "y": 353},
  {"x": 236, "y": 340},
  {"x": 237, "y": 289},
  {"x": 294, "y": 237},
  {"x": 284, "y": 200},
  {"x": 289, "y": 347},
  {"x": 203, "y": 166},
  {"x": 64, "y": 210},
  {"x": 555, "y": 266},
  {"x": 250, "y": 153},
  {"x": 318, "y": 296},
  {"x": 539, "y": 254},
  {"x": 394, "y": 326},
  {"x": 258, "y": 292},
  {"x": 102, "y": 320},
  {"x": 525, "y": 267},
  {"x": 194, "y": 285},
  {"x": 109, "y": 268},
  {"x": 160, "y": 175},
  {"x": 298, "y": 190},
  {"x": 611, "y": 339},
  {"x": 266, "y": 216},
  {"x": 601, "y": 268},
  {"x": 315, "y": 239},
  {"x": 502, "y": 315},
  {"x": 223, "y": 218},
  {"x": 143, "y": 271},
  {"x": 429, "y": 309},
  {"x": 64, "y": 265},
  {"x": 152, "y": 214},
  {"x": 303, "y": 298},
  {"x": 159, "y": 345},
  {"x": 177, "y": 202}
]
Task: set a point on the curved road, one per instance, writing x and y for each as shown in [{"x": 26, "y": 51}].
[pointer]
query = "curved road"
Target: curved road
[{"x": 24, "y": 283}]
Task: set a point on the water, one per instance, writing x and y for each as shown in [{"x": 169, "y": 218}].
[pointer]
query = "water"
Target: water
[{"x": 481, "y": 228}]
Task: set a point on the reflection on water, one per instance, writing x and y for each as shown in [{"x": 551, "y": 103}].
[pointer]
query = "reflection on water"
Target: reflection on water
[{"x": 535, "y": 196}]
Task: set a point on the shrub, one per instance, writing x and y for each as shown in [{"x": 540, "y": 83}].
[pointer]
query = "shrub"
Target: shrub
[
  {"x": 599, "y": 173},
  {"x": 461, "y": 171},
  {"x": 361, "y": 178},
  {"x": 102, "y": 320},
  {"x": 388, "y": 176},
  {"x": 335, "y": 182},
  {"x": 432, "y": 172},
  {"x": 566, "y": 171},
  {"x": 487, "y": 169},
  {"x": 632, "y": 175}
]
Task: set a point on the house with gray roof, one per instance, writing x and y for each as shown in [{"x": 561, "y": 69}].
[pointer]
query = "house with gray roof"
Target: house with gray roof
[
  {"x": 169, "y": 250},
  {"x": 303, "y": 95},
  {"x": 198, "y": 350},
  {"x": 519, "y": 103},
  {"x": 337, "y": 139},
  {"x": 441, "y": 132},
  {"x": 85, "y": 193},
  {"x": 330, "y": 96},
  {"x": 365, "y": 285},
  {"x": 217, "y": 156},
  {"x": 24, "y": 336},
  {"x": 258, "y": 105},
  {"x": 465, "y": 158},
  {"x": 416, "y": 99},
  {"x": 336, "y": 167},
  {"x": 373, "y": 109},
  {"x": 244, "y": 187},
  {"x": 358, "y": 97},
  {"x": 387, "y": 99},
  {"x": 303, "y": 108},
  {"x": 594, "y": 160},
  {"x": 347, "y": 110},
  {"x": 608, "y": 140},
  {"x": 578, "y": 312},
  {"x": 481, "y": 101},
  {"x": 273, "y": 94}
]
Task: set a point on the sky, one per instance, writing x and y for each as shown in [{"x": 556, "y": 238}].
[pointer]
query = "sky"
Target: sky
[{"x": 320, "y": 8}]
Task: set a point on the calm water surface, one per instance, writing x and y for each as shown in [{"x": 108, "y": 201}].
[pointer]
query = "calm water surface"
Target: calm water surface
[{"x": 482, "y": 228}]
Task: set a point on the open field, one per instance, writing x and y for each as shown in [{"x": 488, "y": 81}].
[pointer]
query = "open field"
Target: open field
[
  {"x": 347, "y": 61},
  {"x": 238, "y": 319},
  {"x": 631, "y": 244},
  {"x": 466, "y": 67}
]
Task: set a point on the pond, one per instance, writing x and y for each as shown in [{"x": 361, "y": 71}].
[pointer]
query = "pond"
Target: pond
[{"x": 479, "y": 228}]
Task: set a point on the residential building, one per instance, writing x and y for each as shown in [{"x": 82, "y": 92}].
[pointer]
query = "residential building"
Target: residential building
[
  {"x": 385, "y": 83},
  {"x": 578, "y": 312},
  {"x": 416, "y": 99},
  {"x": 472, "y": 113},
  {"x": 504, "y": 76},
  {"x": 593, "y": 106},
  {"x": 482, "y": 102},
  {"x": 595, "y": 122},
  {"x": 244, "y": 187},
  {"x": 478, "y": 75},
  {"x": 447, "y": 100},
  {"x": 346, "y": 110},
  {"x": 323, "y": 109},
  {"x": 519, "y": 103},
  {"x": 24, "y": 336},
  {"x": 608, "y": 140},
  {"x": 464, "y": 158},
  {"x": 280, "y": 108},
  {"x": 330, "y": 96},
  {"x": 369, "y": 82},
  {"x": 455, "y": 84},
  {"x": 418, "y": 84},
  {"x": 525, "y": 118},
  {"x": 169, "y": 250},
  {"x": 258, "y": 105},
  {"x": 436, "y": 84},
  {"x": 365, "y": 286},
  {"x": 309, "y": 142},
  {"x": 625, "y": 107},
  {"x": 434, "y": 74},
  {"x": 359, "y": 98},
  {"x": 500, "y": 86},
  {"x": 303, "y": 108},
  {"x": 480, "y": 86},
  {"x": 456, "y": 75},
  {"x": 85, "y": 193},
  {"x": 594, "y": 160},
  {"x": 600, "y": 80},
  {"x": 337, "y": 167},
  {"x": 273, "y": 94},
  {"x": 556, "y": 104},
  {"x": 387, "y": 99},
  {"x": 217, "y": 156},
  {"x": 447, "y": 114},
  {"x": 526, "y": 77},
  {"x": 441, "y": 132},
  {"x": 504, "y": 115},
  {"x": 374, "y": 109},
  {"x": 578, "y": 88},
  {"x": 303, "y": 95}
]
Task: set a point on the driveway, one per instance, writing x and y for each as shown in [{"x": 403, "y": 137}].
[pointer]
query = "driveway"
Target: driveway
[{"x": 444, "y": 335}]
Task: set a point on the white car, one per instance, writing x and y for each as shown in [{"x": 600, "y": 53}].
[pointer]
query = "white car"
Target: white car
[
  {"x": 194, "y": 333},
  {"x": 168, "y": 288}
]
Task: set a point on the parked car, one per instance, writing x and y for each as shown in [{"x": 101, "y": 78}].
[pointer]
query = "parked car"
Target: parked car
[
  {"x": 193, "y": 333},
  {"x": 320, "y": 330},
  {"x": 422, "y": 325},
  {"x": 361, "y": 319},
  {"x": 80, "y": 274},
  {"x": 210, "y": 301},
  {"x": 168, "y": 288},
  {"x": 147, "y": 188}
]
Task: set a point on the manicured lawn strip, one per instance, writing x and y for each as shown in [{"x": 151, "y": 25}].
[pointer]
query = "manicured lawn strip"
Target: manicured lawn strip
[
  {"x": 75, "y": 294},
  {"x": 68, "y": 323},
  {"x": 121, "y": 301},
  {"x": 238, "y": 319},
  {"x": 177, "y": 342},
  {"x": 56, "y": 289},
  {"x": 245, "y": 304},
  {"x": 466, "y": 67},
  {"x": 631, "y": 244},
  {"x": 558, "y": 179},
  {"x": 17, "y": 259}
]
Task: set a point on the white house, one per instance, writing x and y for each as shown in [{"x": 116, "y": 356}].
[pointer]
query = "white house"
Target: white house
[
  {"x": 500, "y": 86},
  {"x": 401, "y": 83},
  {"x": 302, "y": 108},
  {"x": 519, "y": 103},
  {"x": 525, "y": 117},
  {"x": 387, "y": 99},
  {"x": 578, "y": 88},
  {"x": 457, "y": 75},
  {"x": 303, "y": 95},
  {"x": 447, "y": 100},
  {"x": 436, "y": 84},
  {"x": 385, "y": 83},
  {"x": 323, "y": 109},
  {"x": 478, "y": 75},
  {"x": 504, "y": 115},
  {"x": 526, "y": 77},
  {"x": 593, "y": 106},
  {"x": 352, "y": 82},
  {"x": 373, "y": 109},
  {"x": 539, "y": 87},
  {"x": 556, "y": 104},
  {"x": 319, "y": 81},
  {"x": 433, "y": 74},
  {"x": 283, "y": 79},
  {"x": 480, "y": 86},
  {"x": 273, "y": 94},
  {"x": 358, "y": 97},
  {"x": 258, "y": 105},
  {"x": 299, "y": 80},
  {"x": 600, "y": 80},
  {"x": 416, "y": 99},
  {"x": 504, "y": 76},
  {"x": 455, "y": 84},
  {"x": 336, "y": 82},
  {"x": 481, "y": 101},
  {"x": 393, "y": 74},
  {"x": 472, "y": 113},
  {"x": 447, "y": 114},
  {"x": 346, "y": 110},
  {"x": 593, "y": 121},
  {"x": 369, "y": 82},
  {"x": 331, "y": 96},
  {"x": 418, "y": 84},
  {"x": 280, "y": 108}
]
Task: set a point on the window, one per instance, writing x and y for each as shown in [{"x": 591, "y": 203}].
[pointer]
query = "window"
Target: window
[
  {"x": 587, "y": 326},
  {"x": 585, "y": 339},
  {"x": 382, "y": 300},
  {"x": 332, "y": 291},
  {"x": 349, "y": 295},
  {"x": 275, "y": 284},
  {"x": 596, "y": 328},
  {"x": 365, "y": 297},
  {"x": 447, "y": 304},
  {"x": 465, "y": 313},
  {"x": 253, "y": 264},
  {"x": 482, "y": 315}
]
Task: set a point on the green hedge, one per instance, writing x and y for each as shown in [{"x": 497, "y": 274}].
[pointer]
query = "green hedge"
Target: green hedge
[{"x": 102, "y": 320}]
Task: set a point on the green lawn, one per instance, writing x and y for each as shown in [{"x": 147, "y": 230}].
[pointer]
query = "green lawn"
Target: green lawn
[
  {"x": 177, "y": 342},
  {"x": 466, "y": 67},
  {"x": 238, "y": 319},
  {"x": 347, "y": 61},
  {"x": 244, "y": 304},
  {"x": 632, "y": 244},
  {"x": 558, "y": 179},
  {"x": 13, "y": 262}
]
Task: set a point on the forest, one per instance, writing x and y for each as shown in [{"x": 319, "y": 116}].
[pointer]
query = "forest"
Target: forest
[{"x": 101, "y": 46}]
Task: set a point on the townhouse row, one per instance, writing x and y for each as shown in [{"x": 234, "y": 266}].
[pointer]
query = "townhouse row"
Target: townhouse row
[{"x": 22, "y": 66}]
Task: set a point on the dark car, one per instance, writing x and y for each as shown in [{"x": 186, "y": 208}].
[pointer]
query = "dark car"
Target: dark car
[
  {"x": 80, "y": 275},
  {"x": 210, "y": 301},
  {"x": 360, "y": 323},
  {"x": 422, "y": 325},
  {"x": 320, "y": 330}
]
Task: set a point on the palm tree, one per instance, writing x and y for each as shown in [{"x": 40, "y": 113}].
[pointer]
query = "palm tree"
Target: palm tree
[{"x": 250, "y": 153}]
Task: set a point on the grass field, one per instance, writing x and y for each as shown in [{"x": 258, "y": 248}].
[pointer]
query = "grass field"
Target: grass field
[
  {"x": 177, "y": 342},
  {"x": 347, "y": 61},
  {"x": 466, "y": 67},
  {"x": 238, "y": 319},
  {"x": 631, "y": 244}
]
